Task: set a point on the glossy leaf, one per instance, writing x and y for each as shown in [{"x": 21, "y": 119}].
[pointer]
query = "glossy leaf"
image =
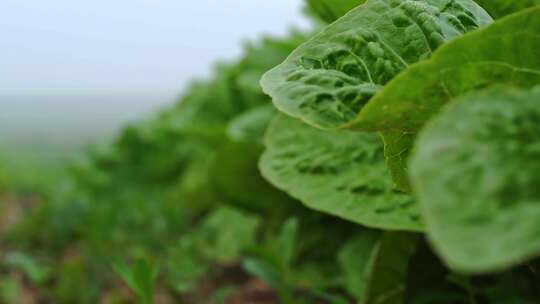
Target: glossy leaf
[
  {"x": 338, "y": 172},
  {"x": 475, "y": 171},
  {"x": 327, "y": 80},
  {"x": 501, "y": 8},
  {"x": 330, "y": 10}
]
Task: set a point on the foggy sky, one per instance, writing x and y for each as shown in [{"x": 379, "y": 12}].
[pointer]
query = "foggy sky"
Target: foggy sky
[{"x": 108, "y": 59}]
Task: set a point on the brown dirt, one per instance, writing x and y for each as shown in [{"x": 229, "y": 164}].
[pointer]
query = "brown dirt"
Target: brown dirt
[
  {"x": 254, "y": 291},
  {"x": 11, "y": 211},
  {"x": 247, "y": 290}
]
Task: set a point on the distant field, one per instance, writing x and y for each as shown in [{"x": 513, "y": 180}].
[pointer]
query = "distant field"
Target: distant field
[
  {"x": 67, "y": 116},
  {"x": 38, "y": 133}
]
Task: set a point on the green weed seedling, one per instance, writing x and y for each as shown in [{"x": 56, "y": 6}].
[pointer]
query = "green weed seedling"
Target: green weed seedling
[{"x": 141, "y": 277}]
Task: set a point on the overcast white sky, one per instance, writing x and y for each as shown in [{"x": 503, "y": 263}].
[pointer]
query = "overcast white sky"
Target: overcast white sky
[
  {"x": 124, "y": 45},
  {"x": 54, "y": 51}
]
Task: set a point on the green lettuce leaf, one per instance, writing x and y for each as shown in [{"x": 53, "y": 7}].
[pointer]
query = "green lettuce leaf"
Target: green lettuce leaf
[
  {"x": 259, "y": 57},
  {"x": 505, "y": 52},
  {"x": 327, "y": 80},
  {"x": 330, "y": 10},
  {"x": 193, "y": 191},
  {"x": 375, "y": 265},
  {"x": 501, "y": 8},
  {"x": 236, "y": 179},
  {"x": 251, "y": 126},
  {"x": 476, "y": 172},
  {"x": 338, "y": 172}
]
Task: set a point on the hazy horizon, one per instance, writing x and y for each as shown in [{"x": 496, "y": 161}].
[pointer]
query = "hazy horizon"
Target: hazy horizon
[{"x": 84, "y": 68}]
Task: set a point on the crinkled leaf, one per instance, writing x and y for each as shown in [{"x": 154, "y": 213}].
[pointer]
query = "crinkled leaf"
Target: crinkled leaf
[
  {"x": 330, "y": 10},
  {"x": 259, "y": 57},
  {"x": 327, "y": 80},
  {"x": 505, "y": 52},
  {"x": 338, "y": 172},
  {"x": 501, "y": 8},
  {"x": 476, "y": 173},
  {"x": 375, "y": 265}
]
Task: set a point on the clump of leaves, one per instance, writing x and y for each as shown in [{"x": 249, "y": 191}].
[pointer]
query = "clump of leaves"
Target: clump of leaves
[
  {"x": 480, "y": 201},
  {"x": 390, "y": 67},
  {"x": 401, "y": 120}
]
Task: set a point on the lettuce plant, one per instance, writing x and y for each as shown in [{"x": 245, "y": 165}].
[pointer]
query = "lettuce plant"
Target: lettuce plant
[
  {"x": 328, "y": 80},
  {"x": 504, "y": 53},
  {"x": 392, "y": 68},
  {"x": 475, "y": 171}
]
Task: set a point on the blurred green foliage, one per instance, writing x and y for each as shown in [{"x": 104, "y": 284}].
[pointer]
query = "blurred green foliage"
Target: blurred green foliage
[
  {"x": 181, "y": 188},
  {"x": 175, "y": 210}
]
